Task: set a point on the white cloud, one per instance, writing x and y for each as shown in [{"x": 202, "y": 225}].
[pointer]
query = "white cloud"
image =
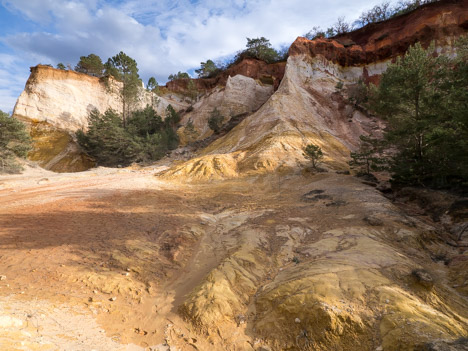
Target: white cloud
[
  {"x": 164, "y": 36},
  {"x": 13, "y": 77}
]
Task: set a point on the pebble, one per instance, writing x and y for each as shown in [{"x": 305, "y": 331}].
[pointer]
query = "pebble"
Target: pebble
[
  {"x": 387, "y": 301},
  {"x": 297, "y": 320},
  {"x": 127, "y": 274},
  {"x": 113, "y": 298},
  {"x": 2, "y": 277}
]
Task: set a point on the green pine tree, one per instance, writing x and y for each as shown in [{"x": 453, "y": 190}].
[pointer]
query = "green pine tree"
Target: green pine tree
[{"x": 423, "y": 97}]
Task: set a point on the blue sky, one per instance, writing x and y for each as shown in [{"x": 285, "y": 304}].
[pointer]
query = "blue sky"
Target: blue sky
[{"x": 163, "y": 36}]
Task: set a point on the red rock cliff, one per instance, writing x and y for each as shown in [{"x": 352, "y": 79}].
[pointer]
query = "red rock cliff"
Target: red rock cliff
[
  {"x": 439, "y": 22},
  {"x": 249, "y": 67}
]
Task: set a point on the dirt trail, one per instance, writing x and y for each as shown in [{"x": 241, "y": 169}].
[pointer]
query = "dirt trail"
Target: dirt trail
[{"x": 121, "y": 260}]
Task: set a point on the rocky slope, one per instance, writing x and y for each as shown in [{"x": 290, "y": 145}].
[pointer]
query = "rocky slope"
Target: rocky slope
[
  {"x": 239, "y": 248},
  {"x": 240, "y": 95},
  {"x": 308, "y": 108},
  {"x": 108, "y": 257}
]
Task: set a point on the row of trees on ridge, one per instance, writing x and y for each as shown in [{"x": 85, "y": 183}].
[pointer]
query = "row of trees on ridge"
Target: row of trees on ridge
[{"x": 378, "y": 13}]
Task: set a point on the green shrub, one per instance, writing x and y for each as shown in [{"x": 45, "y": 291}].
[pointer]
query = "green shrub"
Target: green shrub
[
  {"x": 314, "y": 154},
  {"x": 145, "y": 138},
  {"x": 14, "y": 142}
]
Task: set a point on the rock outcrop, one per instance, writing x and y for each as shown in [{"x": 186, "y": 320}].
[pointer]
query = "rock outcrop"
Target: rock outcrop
[
  {"x": 308, "y": 108},
  {"x": 240, "y": 95},
  {"x": 56, "y": 103},
  {"x": 269, "y": 73}
]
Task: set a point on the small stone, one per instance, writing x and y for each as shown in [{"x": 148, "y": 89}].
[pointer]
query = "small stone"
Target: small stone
[
  {"x": 90, "y": 299},
  {"x": 380, "y": 348},
  {"x": 373, "y": 221},
  {"x": 127, "y": 274},
  {"x": 128, "y": 269},
  {"x": 297, "y": 320},
  {"x": 94, "y": 291},
  {"x": 387, "y": 301},
  {"x": 423, "y": 278},
  {"x": 113, "y": 298},
  {"x": 2, "y": 277}
]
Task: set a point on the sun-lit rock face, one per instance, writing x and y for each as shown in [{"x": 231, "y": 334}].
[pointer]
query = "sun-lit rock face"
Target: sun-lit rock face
[
  {"x": 58, "y": 102},
  {"x": 308, "y": 107},
  {"x": 65, "y": 98}
]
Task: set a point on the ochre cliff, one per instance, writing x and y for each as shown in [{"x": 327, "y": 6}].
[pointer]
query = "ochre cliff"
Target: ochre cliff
[
  {"x": 240, "y": 247},
  {"x": 56, "y": 103},
  {"x": 438, "y": 22},
  {"x": 240, "y": 95},
  {"x": 270, "y": 73},
  {"x": 307, "y": 108}
]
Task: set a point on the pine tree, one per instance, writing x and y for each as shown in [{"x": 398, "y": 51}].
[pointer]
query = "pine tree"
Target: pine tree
[
  {"x": 215, "y": 121},
  {"x": 369, "y": 155},
  {"x": 314, "y": 154},
  {"x": 91, "y": 64},
  {"x": 123, "y": 68},
  {"x": 423, "y": 97}
]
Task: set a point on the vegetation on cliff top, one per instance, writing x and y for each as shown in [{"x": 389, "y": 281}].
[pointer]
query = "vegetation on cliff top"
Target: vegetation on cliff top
[{"x": 378, "y": 13}]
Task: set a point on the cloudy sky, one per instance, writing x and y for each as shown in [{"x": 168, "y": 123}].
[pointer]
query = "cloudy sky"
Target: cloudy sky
[{"x": 163, "y": 36}]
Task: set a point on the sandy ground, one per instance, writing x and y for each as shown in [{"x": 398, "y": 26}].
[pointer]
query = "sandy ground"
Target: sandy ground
[{"x": 106, "y": 259}]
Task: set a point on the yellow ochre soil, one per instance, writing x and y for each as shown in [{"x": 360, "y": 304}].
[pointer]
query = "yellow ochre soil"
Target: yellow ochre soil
[{"x": 113, "y": 259}]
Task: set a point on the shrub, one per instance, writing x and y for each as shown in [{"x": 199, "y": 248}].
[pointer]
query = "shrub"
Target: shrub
[
  {"x": 14, "y": 142},
  {"x": 314, "y": 154}
]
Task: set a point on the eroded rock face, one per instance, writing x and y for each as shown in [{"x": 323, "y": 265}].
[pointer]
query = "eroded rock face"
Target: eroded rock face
[
  {"x": 438, "y": 22},
  {"x": 308, "y": 108},
  {"x": 305, "y": 109},
  {"x": 57, "y": 102},
  {"x": 240, "y": 95},
  {"x": 248, "y": 67}
]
